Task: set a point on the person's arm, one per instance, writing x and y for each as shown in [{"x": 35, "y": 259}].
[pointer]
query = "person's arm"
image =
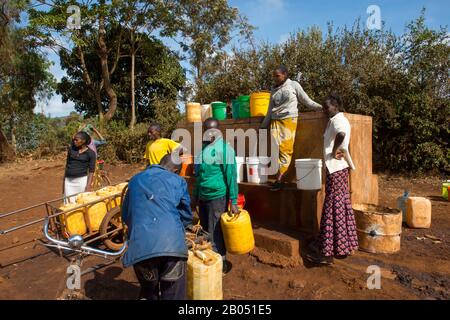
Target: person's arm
[
  {"x": 304, "y": 98},
  {"x": 98, "y": 133},
  {"x": 184, "y": 207},
  {"x": 92, "y": 163},
  {"x": 337, "y": 152},
  {"x": 231, "y": 176},
  {"x": 64, "y": 177},
  {"x": 82, "y": 126}
]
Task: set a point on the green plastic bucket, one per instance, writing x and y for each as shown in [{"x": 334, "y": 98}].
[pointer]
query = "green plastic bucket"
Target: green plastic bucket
[
  {"x": 244, "y": 107},
  {"x": 219, "y": 110},
  {"x": 235, "y": 106}
]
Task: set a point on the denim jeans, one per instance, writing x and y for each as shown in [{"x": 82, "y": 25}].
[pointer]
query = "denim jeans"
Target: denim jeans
[
  {"x": 162, "y": 278},
  {"x": 210, "y": 213}
]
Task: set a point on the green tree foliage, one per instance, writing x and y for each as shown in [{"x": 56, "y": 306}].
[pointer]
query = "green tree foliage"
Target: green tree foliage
[
  {"x": 159, "y": 77},
  {"x": 401, "y": 81},
  {"x": 24, "y": 76},
  {"x": 206, "y": 27}
]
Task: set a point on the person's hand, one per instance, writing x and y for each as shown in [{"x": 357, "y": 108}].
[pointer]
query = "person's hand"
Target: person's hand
[
  {"x": 338, "y": 154},
  {"x": 88, "y": 189},
  {"x": 196, "y": 228},
  {"x": 234, "y": 209}
]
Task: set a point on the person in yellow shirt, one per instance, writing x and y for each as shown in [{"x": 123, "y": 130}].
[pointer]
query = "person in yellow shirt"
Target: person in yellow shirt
[{"x": 158, "y": 147}]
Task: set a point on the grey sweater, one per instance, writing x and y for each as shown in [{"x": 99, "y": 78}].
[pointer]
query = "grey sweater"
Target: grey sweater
[{"x": 284, "y": 102}]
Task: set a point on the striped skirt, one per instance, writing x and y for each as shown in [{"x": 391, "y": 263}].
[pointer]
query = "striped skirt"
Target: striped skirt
[{"x": 338, "y": 226}]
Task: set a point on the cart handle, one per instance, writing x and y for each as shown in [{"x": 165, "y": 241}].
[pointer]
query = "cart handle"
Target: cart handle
[{"x": 66, "y": 245}]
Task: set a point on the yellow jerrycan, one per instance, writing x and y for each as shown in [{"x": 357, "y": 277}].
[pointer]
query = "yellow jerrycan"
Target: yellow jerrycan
[
  {"x": 204, "y": 275},
  {"x": 73, "y": 221},
  {"x": 109, "y": 191},
  {"x": 237, "y": 232},
  {"x": 96, "y": 212}
]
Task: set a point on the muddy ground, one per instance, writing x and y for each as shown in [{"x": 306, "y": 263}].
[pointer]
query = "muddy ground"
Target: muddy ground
[{"x": 28, "y": 270}]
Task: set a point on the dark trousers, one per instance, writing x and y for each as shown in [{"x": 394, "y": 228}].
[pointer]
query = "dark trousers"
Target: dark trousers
[
  {"x": 162, "y": 278},
  {"x": 210, "y": 212}
]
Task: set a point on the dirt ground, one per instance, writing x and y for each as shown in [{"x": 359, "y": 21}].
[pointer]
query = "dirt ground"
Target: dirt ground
[{"x": 28, "y": 270}]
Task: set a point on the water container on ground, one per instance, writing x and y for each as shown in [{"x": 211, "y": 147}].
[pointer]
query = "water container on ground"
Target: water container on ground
[
  {"x": 401, "y": 204},
  {"x": 379, "y": 228},
  {"x": 204, "y": 275},
  {"x": 418, "y": 212}
]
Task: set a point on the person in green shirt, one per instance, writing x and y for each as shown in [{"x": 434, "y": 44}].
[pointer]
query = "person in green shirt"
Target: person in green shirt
[{"x": 216, "y": 184}]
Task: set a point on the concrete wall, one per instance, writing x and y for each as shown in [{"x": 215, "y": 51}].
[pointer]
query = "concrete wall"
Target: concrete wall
[{"x": 302, "y": 209}]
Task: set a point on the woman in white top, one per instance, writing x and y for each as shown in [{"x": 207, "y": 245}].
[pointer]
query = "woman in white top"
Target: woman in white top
[{"x": 337, "y": 235}]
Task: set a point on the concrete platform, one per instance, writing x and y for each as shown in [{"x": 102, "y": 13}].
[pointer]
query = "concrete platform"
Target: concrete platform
[{"x": 276, "y": 248}]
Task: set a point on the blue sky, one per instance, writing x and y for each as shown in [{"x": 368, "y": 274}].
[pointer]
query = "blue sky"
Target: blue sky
[{"x": 275, "y": 19}]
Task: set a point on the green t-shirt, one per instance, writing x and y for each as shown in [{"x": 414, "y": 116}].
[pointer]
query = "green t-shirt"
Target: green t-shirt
[{"x": 216, "y": 177}]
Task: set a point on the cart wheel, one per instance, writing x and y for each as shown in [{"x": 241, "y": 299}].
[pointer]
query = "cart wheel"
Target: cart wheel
[{"x": 112, "y": 221}]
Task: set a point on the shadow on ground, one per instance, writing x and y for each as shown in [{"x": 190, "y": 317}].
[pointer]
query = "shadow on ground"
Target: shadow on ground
[{"x": 107, "y": 286}]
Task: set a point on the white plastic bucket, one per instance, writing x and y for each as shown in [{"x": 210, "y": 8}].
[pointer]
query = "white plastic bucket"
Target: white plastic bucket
[
  {"x": 240, "y": 161},
  {"x": 257, "y": 168},
  {"x": 309, "y": 174},
  {"x": 206, "y": 111}
]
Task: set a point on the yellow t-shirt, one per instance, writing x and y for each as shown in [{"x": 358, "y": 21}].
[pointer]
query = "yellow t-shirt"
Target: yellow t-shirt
[{"x": 157, "y": 149}]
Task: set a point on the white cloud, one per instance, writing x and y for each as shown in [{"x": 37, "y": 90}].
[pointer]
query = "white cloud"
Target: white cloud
[{"x": 55, "y": 107}]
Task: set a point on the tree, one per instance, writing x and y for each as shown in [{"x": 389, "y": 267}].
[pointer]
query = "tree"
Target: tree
[
  {"x": 48, "y": 27},
  {"x": 205, "y": 28},
  {"x": 401, "y": 81},
  {"x": 24, "y": 74},
  {"x": 143, "y": 19},
  {"x": 158, "y": 76}
]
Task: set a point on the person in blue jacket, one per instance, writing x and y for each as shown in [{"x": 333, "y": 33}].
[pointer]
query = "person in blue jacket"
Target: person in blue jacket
[{"x": 156, "y": 210}]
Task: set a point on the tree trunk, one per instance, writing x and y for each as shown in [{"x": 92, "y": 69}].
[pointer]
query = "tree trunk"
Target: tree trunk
[
  {"x": 103, "y": 53},
  {"x": 133, "y": 94},
  {"x": 98, "y": 100},
  {"x": 6, "y": 151}
]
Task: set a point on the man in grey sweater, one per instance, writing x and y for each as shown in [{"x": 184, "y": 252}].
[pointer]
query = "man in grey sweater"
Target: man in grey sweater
[{"x": 282, "y": 118}]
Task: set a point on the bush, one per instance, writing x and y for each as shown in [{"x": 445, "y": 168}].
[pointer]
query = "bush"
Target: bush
[
  {"x": 400, "y": 81},
  {"x": 124, "y": 144}
]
